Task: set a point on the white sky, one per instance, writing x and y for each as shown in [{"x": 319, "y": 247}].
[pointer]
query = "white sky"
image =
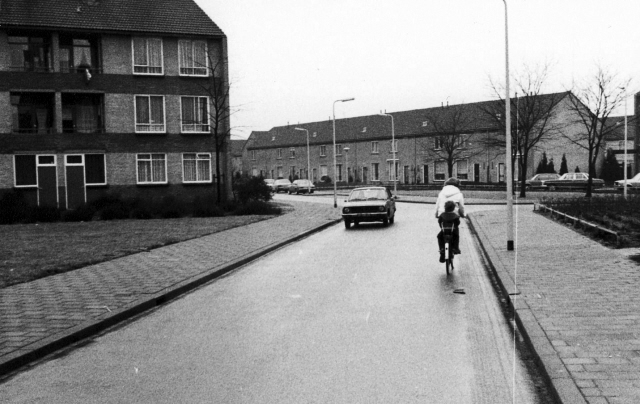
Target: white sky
[{"x": 291, "y": 59}]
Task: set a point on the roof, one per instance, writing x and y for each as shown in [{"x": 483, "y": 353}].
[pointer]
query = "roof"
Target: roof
[
  {"x": 418, "y": 122},
  {"x": 236, "y": 147},
  {"x": 150, "y": 16}
]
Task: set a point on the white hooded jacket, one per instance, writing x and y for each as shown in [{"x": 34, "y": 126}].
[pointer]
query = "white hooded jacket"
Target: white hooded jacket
[{"x": 450, "y": 193}]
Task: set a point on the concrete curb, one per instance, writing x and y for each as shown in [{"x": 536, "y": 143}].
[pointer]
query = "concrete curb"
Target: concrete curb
[
  {"x": 67, "y": 337},
  {"x": 557, "y": 376}
]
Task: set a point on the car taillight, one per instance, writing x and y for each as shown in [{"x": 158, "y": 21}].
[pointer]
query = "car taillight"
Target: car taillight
[{"x": 345, "y": 210}]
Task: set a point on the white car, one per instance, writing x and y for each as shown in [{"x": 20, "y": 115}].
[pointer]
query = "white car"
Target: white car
[{"x": 631, "y": 182}]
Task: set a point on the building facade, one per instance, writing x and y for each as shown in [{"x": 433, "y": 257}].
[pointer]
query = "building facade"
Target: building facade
[
  {"x": 104, "y": 96},
  {"x": 430, "y": 144}
]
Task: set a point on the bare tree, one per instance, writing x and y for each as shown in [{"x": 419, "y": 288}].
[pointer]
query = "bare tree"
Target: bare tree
[
  {"x": 217, "y": 87},
  {"x": 532, "y": 121},
  {"x": 454, "y": 128},
  {"x": 592, "y": 104}
]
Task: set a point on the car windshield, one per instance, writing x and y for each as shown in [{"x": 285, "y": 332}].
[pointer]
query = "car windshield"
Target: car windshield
[{"x": 367, "y": 194}]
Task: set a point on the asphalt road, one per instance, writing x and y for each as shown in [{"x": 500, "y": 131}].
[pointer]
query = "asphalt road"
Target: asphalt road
[{"x": 365, "y": 315}]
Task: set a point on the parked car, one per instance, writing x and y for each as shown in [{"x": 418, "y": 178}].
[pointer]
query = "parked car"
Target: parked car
[
  {"x": 539, "y": 180},
  {"x": 281, "y": 185},
  {"x": 631, "y": 182},
  {"x": 369, "y": 204},
  {"x": 301, "y": 186},
  {"x": 573, "y": 181},
  {"x": 269, "y": 182}
]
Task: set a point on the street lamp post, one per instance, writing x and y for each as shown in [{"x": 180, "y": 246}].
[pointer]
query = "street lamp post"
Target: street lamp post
[
  {"x": 335, "y": 186},
  {"x": 393, "y": 150},
  {"x": 346, "y": 151},
  {"x": 508, "y": 151},
  {"x": 308, "y": 161}
]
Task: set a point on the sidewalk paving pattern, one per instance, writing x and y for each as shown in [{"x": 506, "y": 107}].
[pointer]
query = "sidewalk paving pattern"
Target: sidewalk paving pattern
[{"x": 577, "y": 304}]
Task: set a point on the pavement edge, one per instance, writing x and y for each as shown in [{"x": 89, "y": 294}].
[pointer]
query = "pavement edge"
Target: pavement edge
[
  {"x": 49, "y": 345},
  {"x": 562, "y": 385}
]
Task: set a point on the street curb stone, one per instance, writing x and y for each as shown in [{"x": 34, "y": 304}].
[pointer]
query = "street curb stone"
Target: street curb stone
[{"x": 558, "y": 378}]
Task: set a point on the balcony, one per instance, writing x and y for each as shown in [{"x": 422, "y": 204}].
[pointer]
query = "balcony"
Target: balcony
[
  {"x": 32, "y": 112},
  {"x": 82, "y": 113}
]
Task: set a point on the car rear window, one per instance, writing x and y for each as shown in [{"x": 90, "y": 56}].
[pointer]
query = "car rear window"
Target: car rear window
[{"x": 367, "y": 194}]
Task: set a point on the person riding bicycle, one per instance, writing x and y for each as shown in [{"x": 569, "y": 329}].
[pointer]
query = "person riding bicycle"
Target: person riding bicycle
[{"x": 449, "y": 201}]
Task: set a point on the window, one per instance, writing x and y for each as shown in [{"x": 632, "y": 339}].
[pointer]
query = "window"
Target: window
[
  {"x": 292, "y": 171},
  {"x": 149, "y": 113},
  {"x": 81, "y": 113},
  {"x": 439, "y": 170},
  {"x": 147, "y": 55},
  {"x": 292, "y": 152},
  {"x": 29, "y": 53},
  {"x": 393, "y": 169},
  {"x": 95, "y": 169},
  {"x": 32, "y": 112},
  {"x": 375, "y": 171},
  {"x": 193, "y": 57},
  {"x": 462, "y": 169},
  {"x": 394, "y": 146},
  {"x": 152, "y": 168},
  {"x": 25, "y": 170},
  {"x": 279, "y": 171},
  {"x": 374, "y": 148},
  {"x": 338, "y": 172},
  {"x": 323, "y": 150},
  {"x": 323, "y": 171},
  {"x": 279, "y": 153},
  {"x": 195, "y": 114},
  {"x": 78, "y": 53},
  {"x": 196, "y": 167},
  {"x": 338, "y": 150},
  {"x": 253, "y": 154},
  {"x": 438, "y": 142}
]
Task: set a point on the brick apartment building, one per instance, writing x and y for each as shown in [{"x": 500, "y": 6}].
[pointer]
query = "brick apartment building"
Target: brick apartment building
[
  {"x": 108, "y": 96},
  {"x": 364, "y": 152}
]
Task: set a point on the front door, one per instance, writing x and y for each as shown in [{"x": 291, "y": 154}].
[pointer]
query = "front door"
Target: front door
[
  {"x": 365, "y": 175},
  {"x": 476, "y": 172},
  {"x": 405, "y": 175},
  {"x": 501, "y": 173},
  {"x": 47, "y": 180},
  {"x": 75, "y": 181},
  {"x": 425, "y": 173}
]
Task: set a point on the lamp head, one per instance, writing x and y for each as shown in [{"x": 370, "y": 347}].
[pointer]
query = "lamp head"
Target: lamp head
[{"x": 299, "y": 129}]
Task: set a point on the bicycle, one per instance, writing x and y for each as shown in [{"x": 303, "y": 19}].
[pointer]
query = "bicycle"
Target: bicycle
[{"x": 447, "y": 234}]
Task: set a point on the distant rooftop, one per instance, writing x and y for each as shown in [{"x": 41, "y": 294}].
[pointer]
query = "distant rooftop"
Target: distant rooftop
[{"x": 150, "y": 16}]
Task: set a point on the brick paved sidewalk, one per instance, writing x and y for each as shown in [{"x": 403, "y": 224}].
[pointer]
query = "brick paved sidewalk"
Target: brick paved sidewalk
[
  {"x": 578, "y": 302},
  {"x": 39, "y": 317}
]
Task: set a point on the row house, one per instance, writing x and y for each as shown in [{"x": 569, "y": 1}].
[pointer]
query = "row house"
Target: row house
[
  {"x": 429, "y": 144},
  {"x": 108, "y": 96}
]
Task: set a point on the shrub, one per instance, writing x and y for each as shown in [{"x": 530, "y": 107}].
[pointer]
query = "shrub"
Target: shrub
[
  {"x": 325, "y": 179},
  {"x": 170, "y": 208},
  {"x": 44, "y": 214},
  {"x": 13, "y": 207},
  {"x": 115, "y": 211},
  {"x": 257, "y": 208},
  {"x": 205, "y": 206},
  {"x": 246, "y": 188},
  {"x": 83, "y": 213}
]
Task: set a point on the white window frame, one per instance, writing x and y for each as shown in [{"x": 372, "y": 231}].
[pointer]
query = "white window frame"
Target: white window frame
[
  {"x": 206, "y": 58},
  {"x": 435, "y": 170},
  {"x": 338, "y": 172},
  {"x": 204, "y": 128},
  {"x": 104, "y": 161},
  {"x": 253, "y": 154},
  {"x": 133, "y": 56},
  {"x": 393, "y": 177},
  {"x": 150, "y": 160},
  {"x": 278, "y": 153},
  {"x": 438, "y": 142},
  {"x": 375, "y": 171},
  {"x": 198, "y": 157},
  {"x": 164, "y": 114},
  {"x": 374, "y": 148},
  {"x": 338, "y": 150},
  {"x": 323, "y": 150},
  {"x": 458, "y": 174}
]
